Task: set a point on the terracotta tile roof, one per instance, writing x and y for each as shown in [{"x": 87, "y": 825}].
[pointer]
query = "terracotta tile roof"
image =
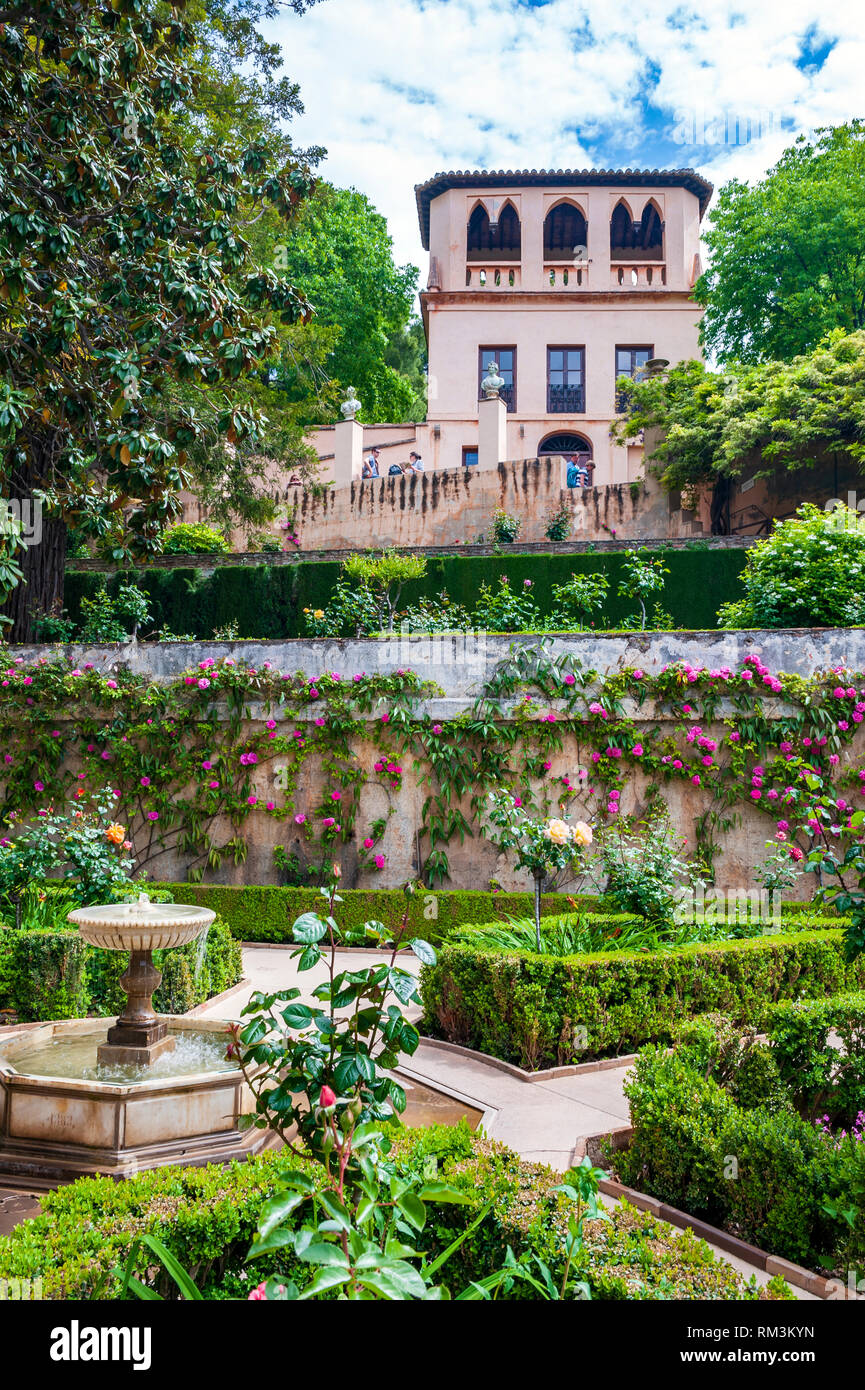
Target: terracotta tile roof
[{"x": 555, "y": 178}]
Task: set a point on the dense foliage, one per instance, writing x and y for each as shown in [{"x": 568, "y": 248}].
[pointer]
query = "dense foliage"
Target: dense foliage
[
  {"x": 776, "y": 414},
  {"x": 716, "y": 1132},
  {"x": 128, "y": 300},
  {"x": 809, "y": 573},
  {"x": 786, "y": 254},
  {"x": 564, "y": 593},
  {"x": 80, "y": 1242}
]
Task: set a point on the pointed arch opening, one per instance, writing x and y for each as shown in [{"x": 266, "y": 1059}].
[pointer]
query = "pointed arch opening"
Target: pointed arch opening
[
  {"x": 501, "y": 240},
  {"x": 632, "y": 240},
  {"x": 565, "y": 233}
]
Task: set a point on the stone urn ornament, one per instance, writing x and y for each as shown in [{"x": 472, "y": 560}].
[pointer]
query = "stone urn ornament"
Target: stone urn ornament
[
  {"x": 492, "y": 382},
  {"x": 351, "y": 405}
]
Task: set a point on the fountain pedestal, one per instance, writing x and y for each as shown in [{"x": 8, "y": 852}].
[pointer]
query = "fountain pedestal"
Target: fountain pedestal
[{"x": 139, "y": 1036}]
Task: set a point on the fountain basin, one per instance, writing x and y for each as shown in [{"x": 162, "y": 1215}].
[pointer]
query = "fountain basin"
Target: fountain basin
[
  {"x": 141, "y": 925},
  {"x": 54, "y": 1128}
]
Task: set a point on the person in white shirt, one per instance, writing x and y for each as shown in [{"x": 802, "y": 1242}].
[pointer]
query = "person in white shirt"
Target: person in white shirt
[
  {"x": 370, "y": 468},
  {"x": 415, "y": 462}
]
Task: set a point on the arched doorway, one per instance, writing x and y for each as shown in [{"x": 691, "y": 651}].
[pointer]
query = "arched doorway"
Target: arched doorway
[{"x": 575, "y": 448}]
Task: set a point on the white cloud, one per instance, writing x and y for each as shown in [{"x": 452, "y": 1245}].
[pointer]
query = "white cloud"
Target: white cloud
[{"x": 400, "y": 89}]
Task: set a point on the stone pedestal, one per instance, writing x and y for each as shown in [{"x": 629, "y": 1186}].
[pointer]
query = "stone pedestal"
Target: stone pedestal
[
  {"x": 139, "y": 1036},
  {"x": 492, "y": 432},
  {"x": 347, "y": 452}
]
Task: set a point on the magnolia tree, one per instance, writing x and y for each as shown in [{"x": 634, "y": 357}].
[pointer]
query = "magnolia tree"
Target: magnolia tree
[
  {"x": 128, "y": 303},
  {"x": 544, "y": 847}
]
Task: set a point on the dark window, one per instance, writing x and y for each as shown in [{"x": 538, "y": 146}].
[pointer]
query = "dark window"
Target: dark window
[
  {"x": 506, "y": 357},
  {"x": 470, "y": 456},
  {"x": 631, "y": 361},
  {"x": 636, "y": 241},
  {"x": 565, "y": 234},
  {"x": 499, "y": 241},
  {"x": 566, "y": 380}
]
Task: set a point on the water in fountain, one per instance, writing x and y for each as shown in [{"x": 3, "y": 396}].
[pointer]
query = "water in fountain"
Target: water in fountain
[
  {"x": 74, "y": 1057},
  {"x": 200, "y": 951}
]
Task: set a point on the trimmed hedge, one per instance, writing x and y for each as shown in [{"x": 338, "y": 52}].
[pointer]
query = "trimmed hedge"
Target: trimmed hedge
[
  {"x": 207, "y": 1217},
  {"x": 541, "y": 1011},
  {"x": 56, "y": 974},
  {"x": 821, "y": 1075},
  {"x": 268, "y": 600},
  {"x": 263, "y": 912},
  {"x": 769, "y": 1177}
]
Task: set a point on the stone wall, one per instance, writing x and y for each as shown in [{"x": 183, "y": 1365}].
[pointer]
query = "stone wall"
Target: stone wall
[
  {"x": 456, "y": 506},
  {"x": 461, "y": 666}
]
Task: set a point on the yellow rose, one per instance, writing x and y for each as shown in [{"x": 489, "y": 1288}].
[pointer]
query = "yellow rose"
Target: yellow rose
[
  {"x": 558, "y": 832},
  {"x": 319, "y": 613},
  {"x": 582, "y": 833}
]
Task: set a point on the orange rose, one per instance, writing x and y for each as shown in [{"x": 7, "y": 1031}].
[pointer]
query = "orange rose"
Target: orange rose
[{"x": 116, "y": 834}]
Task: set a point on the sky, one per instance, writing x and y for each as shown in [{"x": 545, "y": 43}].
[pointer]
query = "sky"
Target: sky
[{"x": 398, "y": 90}]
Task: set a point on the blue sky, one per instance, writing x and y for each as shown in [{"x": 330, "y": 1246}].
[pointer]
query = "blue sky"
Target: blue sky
[{"x": 399, "y": 89}]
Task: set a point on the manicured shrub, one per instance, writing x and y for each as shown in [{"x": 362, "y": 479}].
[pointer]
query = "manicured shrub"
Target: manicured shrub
[
  {"x": 269, "y": 600},
  {"x": 541, "y": 1011},
  {"x": 207, "y": 1217},
  {"x": 46, "y": 973},
  {"x": 264, "y": 912},
  {"x": 771, "y": 1178},
  {"x": 819, "y": 1046}
]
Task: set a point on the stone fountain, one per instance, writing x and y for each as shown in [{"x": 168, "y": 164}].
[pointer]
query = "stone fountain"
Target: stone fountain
[{"x": 81, "y": 1097}]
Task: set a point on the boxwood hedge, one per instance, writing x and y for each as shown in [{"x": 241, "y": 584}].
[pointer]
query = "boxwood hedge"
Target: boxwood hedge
[
  {"x": 264, "y": 912},
  {"x": 207, "y": 1217},
  {"x": 541, "y": 1011}
]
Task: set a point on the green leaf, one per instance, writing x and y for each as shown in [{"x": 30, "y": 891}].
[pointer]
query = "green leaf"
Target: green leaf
[
  {"x": 423, "y": 950},
  {"x": 309, "y": 928}
]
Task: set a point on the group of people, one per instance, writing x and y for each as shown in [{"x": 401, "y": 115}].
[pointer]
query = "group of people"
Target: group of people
[
  {"x": 577, "y": 474},
  {"x": 371, "y": 468}
]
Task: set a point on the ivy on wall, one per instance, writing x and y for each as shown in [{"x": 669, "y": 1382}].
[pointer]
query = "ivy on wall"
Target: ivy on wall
[{"x": 192, "y": 760}]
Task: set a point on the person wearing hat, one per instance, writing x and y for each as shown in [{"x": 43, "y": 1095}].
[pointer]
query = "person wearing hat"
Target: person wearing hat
[{"x": 370, "y": 468}]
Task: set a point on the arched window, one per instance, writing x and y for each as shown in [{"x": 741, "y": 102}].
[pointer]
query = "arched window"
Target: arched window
[
  {"x": 500, "y": 241},
  {"x": 565, "y": 233},
  {"x": 651, "y": 235},
  {"x": 634, "y": 241},
  {"x": 576, "y": 450},
  {"x": 622, "y": 237}
]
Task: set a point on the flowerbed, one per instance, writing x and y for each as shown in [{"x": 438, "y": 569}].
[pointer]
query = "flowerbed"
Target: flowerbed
[
  {"x": 717, "y": 1132},
  {"x": 542, "y": 1011},
  {"x": 207, "y": 1218}
]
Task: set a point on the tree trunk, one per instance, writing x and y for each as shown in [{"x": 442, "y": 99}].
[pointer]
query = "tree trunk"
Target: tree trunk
[
  {"x": 43, "y": 560},
  {"x": 539, "y": 883},
  {"x": 720, "y": 507}
]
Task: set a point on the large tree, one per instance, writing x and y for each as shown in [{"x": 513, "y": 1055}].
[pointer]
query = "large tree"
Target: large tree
[
  {"x": 126, "y": 287},
  {"x": 787, "y": 254},
  {"x": 340, "y": 254}
]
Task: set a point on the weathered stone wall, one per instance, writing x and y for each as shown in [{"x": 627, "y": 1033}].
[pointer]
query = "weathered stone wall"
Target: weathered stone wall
[
  {"x": 461, "y": 666},
  {"x": 456, "y": 506}
]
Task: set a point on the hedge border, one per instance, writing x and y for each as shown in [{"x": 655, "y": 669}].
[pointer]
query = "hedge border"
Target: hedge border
[
  {"x": 542, "y": 1011},
  {"x": 264, "y": 912}
]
